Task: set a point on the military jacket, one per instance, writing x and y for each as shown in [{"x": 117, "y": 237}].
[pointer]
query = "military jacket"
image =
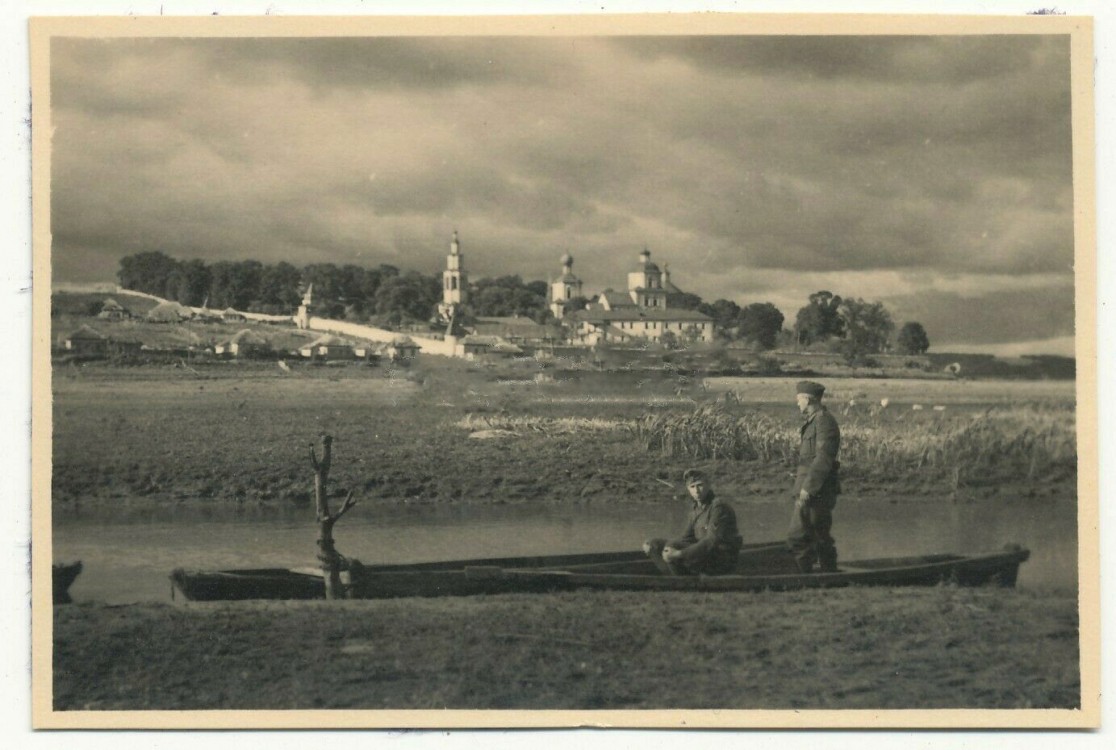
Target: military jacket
[
  {"x": 709, "y": 527},
  {"x": 820, "y": 442}
]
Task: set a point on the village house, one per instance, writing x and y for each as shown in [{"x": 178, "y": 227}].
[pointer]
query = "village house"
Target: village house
[
  {"x": 113, "y": 310},
  {"x": 517, "y": 329},
  {"x": 328, "y": 348},
  {"x": 243, "y": 344},
  {"x": 168, "y": 312},
  {"x": 402, "y": 348},
  {"x": 488, "y": 347},
  {"x": 642, "y": 314},
  {"x": 369, "y": 352},
  {"x": 86, "y": 342}
]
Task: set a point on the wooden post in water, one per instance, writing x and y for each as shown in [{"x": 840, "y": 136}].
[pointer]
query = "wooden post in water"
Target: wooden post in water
[{"x": 328, "y": 555}]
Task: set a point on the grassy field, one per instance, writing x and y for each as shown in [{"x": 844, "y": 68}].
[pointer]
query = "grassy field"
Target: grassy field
[
  {"x": 240, "y": 433},
  {"x": 942, "y": 647}
]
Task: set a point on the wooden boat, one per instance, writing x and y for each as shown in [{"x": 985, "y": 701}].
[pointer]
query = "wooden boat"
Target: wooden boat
[
  {"x": 995, "y": 568},
  {"x": 62, "y": 575},
  {"x": 445, "y": 578},
  {"x": 760, "y": 567}
]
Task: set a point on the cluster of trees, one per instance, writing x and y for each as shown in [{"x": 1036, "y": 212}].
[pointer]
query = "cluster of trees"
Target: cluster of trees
[
  {"x": 509, "y": 295},
  {"x": 758, "y": 323},
  {"x": 388, "y": 295},
  {"x": 346, "y": 291},
  {"x": 857, "y": 327}
]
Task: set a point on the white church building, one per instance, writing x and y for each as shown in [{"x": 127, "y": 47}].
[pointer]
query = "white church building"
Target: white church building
[{"x": 644, "y": 312}]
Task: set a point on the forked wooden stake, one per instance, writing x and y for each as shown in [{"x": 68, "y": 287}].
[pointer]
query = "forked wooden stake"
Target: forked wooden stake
[{"x": 332, "y": 561}]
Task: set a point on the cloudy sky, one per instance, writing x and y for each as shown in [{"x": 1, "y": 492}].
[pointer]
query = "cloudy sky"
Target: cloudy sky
[{"x": 930, "y": 173}]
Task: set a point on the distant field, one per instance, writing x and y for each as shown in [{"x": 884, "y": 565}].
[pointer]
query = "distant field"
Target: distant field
[
  {"x": 226, "y": 432},
  {"x": 841, "y": 391}
]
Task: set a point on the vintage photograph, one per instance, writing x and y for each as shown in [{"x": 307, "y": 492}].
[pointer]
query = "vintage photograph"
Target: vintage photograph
[{"x": 671, "y": 371}]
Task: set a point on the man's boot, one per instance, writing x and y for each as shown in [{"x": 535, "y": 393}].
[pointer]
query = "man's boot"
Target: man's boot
[{"x": 829, "y": 563}]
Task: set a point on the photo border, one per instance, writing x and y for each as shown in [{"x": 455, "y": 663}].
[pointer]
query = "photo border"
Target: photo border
[{"x": 1078, "y": 28}]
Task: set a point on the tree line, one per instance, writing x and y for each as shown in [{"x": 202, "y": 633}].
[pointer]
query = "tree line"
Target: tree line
[
  {"x": 386, "y": 294},
  {"x": 340, "y": 291},
  {"x": 854, "y": 327}
]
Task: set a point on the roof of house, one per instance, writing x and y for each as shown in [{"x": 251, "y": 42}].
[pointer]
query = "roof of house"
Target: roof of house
[
  {"x": 169, "y": 311},
  {"x": 247, "y": 336},
  {"x": 111, "y": 304},
  {"x": 327, "y": 340},
  {"x": 495, "y": 343},
  {"x": 640, "y": 313},
  {"x": 522, "y": 327},
  {"x": 616, "y": 299},
  {"x": 402, "y": 341},
  {"x": 85, "y": 333}
]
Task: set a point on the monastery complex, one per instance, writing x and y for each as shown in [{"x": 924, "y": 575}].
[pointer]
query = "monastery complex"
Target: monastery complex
[{"x": 644, "y": 313}]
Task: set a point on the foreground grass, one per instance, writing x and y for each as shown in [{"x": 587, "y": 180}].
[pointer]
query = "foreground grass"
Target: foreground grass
[{"x": 942, "y": 647}]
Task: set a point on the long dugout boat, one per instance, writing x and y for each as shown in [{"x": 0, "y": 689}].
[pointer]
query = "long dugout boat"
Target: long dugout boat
[{"x": 761, "y": 567}]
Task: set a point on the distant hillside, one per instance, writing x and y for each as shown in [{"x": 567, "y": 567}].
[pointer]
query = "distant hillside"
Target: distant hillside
[
  {"x": 69, "y": 311},
  {"x": 87, "y": 303},
  {"x": 1029, "y": 367}
]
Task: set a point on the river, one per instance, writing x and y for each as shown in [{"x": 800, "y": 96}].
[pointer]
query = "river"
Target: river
[{"x": 128, "y": 551}]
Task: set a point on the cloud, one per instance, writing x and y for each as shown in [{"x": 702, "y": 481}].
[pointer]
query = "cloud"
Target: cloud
[
  {"x": 904, "y": 59},
  {"x": 749, "y": 164},
  {"x": 997, "y": 316}
]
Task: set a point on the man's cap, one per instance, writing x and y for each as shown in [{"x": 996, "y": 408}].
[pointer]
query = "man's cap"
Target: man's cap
[
  {"x": 810, "y": 388},
  {"x": 689, "y": 476}
]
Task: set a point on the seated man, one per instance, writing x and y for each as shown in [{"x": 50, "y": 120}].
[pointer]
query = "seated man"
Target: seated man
[{"x": 711, "y": 542}]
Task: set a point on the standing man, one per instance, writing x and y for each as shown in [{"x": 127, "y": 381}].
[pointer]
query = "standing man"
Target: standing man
[
  {"x": 711, "y": 542},
  {"x": 816, "y": 484}
]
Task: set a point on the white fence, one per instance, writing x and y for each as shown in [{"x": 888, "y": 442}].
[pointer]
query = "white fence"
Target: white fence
[{"x": 447, "y": 348}]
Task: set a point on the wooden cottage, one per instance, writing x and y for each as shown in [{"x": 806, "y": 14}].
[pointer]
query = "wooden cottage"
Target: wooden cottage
[
  {"x": 113, "y": 310},
  {"x": 403, "y": 348},
  {"x": 369, "y": 352},
  {"x": 86, "y": 342},
  {"x": 168, "y": 312},
  {"x": 328, "y": 348},
  {"x": 488, "y": 347},
  {"x": 245, "y": 343}
]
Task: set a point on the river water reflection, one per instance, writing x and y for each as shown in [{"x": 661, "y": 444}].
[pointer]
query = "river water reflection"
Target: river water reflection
[{"x": 128, "y": 552}]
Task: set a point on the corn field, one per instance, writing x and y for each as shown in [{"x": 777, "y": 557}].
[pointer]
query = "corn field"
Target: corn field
[{"x": 1017, "y": 441}]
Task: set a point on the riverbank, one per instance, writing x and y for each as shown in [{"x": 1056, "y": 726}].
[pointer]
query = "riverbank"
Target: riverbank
[{"x": 942, "y": 647}]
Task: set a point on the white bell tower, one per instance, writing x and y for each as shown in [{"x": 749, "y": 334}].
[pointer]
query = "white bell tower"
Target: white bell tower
[{"x": 453, "y": 281}]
